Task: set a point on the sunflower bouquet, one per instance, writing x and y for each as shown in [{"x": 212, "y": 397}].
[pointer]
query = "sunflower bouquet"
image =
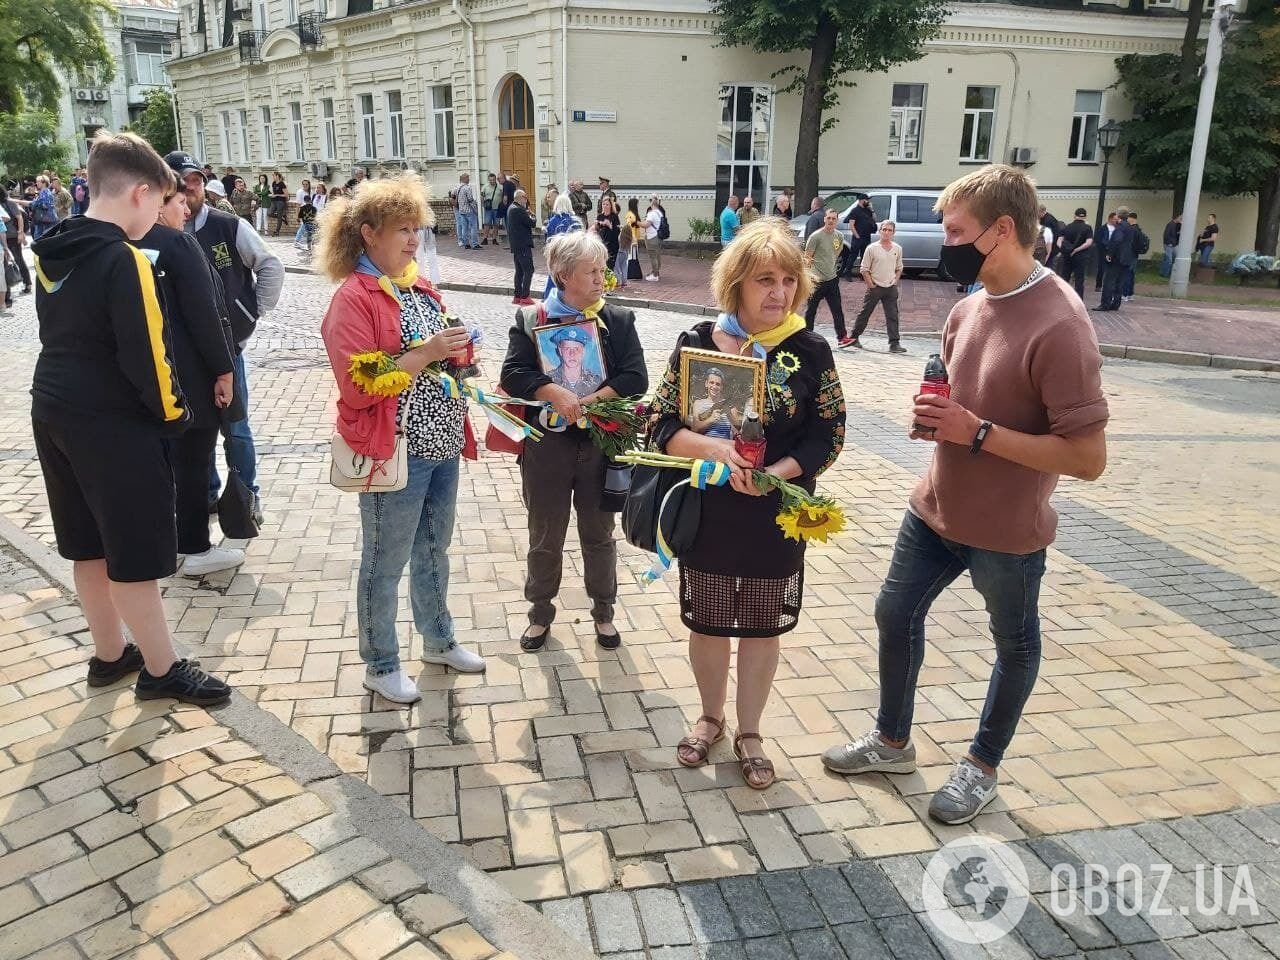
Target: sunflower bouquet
[
  {"x": 610, "y": 280},
  {"x": 802, "y": 515},
  {"x": 377, "y": 374}
]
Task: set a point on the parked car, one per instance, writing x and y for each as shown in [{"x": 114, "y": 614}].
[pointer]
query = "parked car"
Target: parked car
[{"x": 919, "y": 228}]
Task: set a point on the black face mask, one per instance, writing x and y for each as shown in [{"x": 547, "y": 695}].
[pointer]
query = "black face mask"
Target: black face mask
[{"x": 964, "y": 260}]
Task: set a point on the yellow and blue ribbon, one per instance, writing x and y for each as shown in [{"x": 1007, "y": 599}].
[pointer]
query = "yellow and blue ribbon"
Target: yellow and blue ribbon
[
  {"x": 708, "y": 473},
  {"x": 702, "y": 474}
]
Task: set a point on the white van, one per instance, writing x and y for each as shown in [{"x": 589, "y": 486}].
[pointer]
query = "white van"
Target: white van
[{"x": 919, "y": 228}]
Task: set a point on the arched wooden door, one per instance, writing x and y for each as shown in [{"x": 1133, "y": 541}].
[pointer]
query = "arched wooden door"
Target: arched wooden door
[{"x": 515, "y": 134}]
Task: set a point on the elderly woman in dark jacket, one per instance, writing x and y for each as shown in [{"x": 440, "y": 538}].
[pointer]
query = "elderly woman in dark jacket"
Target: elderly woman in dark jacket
[{"x": 565, "y": 467}]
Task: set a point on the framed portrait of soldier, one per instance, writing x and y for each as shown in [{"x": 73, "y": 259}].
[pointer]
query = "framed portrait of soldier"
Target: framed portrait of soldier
[
  {"x": 570, "y": 354},
  {"x": 716, "y": 389}
]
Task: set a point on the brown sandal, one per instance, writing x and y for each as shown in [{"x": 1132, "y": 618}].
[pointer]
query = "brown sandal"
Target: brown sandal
[
  {"x": 700, "y": 745},
  {"x": 749, "y": 765}
]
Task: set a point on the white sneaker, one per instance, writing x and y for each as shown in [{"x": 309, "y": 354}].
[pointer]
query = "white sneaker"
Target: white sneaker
[
  {"x": 395, "y": 687},
  {"x": 651, "y": 278},
  {"x": 459, "y": 658},
  {"x": 211, "y": 561}
]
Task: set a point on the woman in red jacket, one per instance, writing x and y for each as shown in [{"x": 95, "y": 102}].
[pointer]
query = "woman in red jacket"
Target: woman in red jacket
[{"x": 368, "y": 242}]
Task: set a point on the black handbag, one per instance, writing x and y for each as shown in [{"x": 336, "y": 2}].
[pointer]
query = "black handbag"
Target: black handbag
[
  {"x": 617, "y": 481},
  {"x": 680, "y": 518},
  {"x": 11, "y": 274},
  {"x": 634, "y": 272},
  {"x": 235, "y": 508}
]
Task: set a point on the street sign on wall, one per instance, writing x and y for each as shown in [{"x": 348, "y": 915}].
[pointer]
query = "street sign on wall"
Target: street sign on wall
[{"x": 595, "y": 116}]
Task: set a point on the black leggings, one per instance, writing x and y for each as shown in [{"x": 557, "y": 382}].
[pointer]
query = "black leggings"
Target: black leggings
[
  {"x": 15, "y": 247},
  {"x": 279, "y": 212},
  {"x": 192, "y": 455}
]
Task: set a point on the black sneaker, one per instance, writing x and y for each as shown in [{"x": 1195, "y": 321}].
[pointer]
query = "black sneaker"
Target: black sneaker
[
  {"x": 103, "y": 673},
  {"x": 186, "y": 683}
]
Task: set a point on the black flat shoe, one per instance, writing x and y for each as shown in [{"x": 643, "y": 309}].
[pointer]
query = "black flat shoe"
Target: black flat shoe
[
  {"x": 103, "y": 673},
  {"x": 532, "y": 644},
  {"x": 609, "y": 641}
]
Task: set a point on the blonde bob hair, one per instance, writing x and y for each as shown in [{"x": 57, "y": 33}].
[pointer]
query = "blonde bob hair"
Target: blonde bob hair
[
  {"x": 390, "y": 201},
  {"x": 765, "y": 242},
  {"x": 566, "y": 250}
]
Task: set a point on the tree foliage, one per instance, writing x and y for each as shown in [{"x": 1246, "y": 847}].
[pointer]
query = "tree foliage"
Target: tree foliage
[
  {"x": 155, "y": 122},
  {"x": 37, "y": 36},
  {"x": 29, "y": 143},
  {"x": 841, "y": 37},
  {"x": 1244, "y": 140}
]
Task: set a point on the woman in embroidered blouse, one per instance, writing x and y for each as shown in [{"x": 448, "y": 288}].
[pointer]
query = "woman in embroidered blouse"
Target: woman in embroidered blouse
[
  {"x": 368, "y": 242},
  {"x": 742, "y": 578},
  {"x": 566, "y": 467}
]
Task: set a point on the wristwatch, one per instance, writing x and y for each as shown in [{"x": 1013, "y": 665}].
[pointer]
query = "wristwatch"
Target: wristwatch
[{"x": 983, "y": 429}]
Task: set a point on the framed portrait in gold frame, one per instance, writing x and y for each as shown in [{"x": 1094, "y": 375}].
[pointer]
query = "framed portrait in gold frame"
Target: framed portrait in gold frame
[{"x": 715, "y": 390}]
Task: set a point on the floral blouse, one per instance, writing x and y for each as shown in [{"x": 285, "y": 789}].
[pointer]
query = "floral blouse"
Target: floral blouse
[{"x": 431, "y": 422}]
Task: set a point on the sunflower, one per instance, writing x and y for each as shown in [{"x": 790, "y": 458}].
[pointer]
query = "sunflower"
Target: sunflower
[
  {"x": 376, "y": 374},
  {"x": 814, "y": 521},
  {"x": 787, "y": 361}
]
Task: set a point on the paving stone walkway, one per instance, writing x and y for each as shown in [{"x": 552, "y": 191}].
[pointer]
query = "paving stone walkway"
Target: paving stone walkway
[{"x": 1158, "y": 700}]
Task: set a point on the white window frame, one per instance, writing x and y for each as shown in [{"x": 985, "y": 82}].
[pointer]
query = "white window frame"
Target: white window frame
[
  {"x": 330, "y": 129},
  {"x": 243, "y": 117},
  {"x": 260, "y": 15},
  {"x": 290, "y": 12},
  {"x": 395, "y": 125},
  {"x": 969, "y": 151},
  {"x": 155, "y": 74},
  {"x": 368, "y": 126},
  {"x": 1083, "y": 148},
  {"x": 900, "y": 120},
  {"x": 322, "y": 8},
  {"x": 268, "y": 135},
  {"x": 443, "y": 135},
  {"x": 197, "y": 133},
  {"x": 227, "y": 155},
  {"x": 295, "y": 126}
]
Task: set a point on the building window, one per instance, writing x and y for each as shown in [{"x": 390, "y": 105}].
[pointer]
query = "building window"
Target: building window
[
  {"x": 197, "y": 120},
  {"x": 290, "y": 12},
  {"x": 395, "y": 124},
  {"x": 244, "y": 136},
  {"x": 330, "y": 130},
  {"x": 268, "y": 138},
  {"x": 368, "y": 129},
  {"x": 260, "y": 15},
  {"x": 442, "y": 122},
  {"x": 1084, "y": 127},
  {"x": 227, "y": 154},
  {"x": 147, "y": 62},
  {"x": 906, "y": 121},
  {"x": 742, "y": 143},
  {"x": 322, "y": 8},
  {"x": 979, "y": 122},
  {"x": 295, "y": 124}
]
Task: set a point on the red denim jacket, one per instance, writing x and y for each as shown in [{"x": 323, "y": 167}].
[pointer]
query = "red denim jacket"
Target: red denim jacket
[{"x": 362, "y": 317}]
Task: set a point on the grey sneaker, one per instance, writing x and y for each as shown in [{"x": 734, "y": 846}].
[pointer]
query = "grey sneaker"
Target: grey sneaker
[
  {"x": 964, "y": 794},
  {"x": 870, "y": 754}
]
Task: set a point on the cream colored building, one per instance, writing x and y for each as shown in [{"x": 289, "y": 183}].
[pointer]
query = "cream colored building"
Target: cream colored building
[{"x": 643, "y": 94}]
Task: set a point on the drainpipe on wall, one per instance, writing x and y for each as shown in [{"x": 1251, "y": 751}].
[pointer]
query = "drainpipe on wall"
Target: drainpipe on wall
[
  {"x": 177, "y": 128},
  {"x": 475, "y": 127},
  {"x": 564, "y": 95}
]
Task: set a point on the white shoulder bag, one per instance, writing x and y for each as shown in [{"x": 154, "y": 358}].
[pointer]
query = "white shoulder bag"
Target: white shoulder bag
[{"x": 356, "y": 473}]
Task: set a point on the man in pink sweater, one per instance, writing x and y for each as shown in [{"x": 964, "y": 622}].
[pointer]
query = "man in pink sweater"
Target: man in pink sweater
[{"x": 1026, "y": 406}]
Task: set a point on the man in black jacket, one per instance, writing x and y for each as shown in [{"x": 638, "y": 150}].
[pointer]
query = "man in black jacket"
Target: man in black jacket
[
  {"x": 1140, "y": 243},
  {"x": 1076, "y": 239},
  {"x": 1172, "y": 234},
  {"x": 1119, "y": 254},
  {"x": 520, "y": 224},
  {"x": 862, "y": 224},
  {"x": 105, "y": 396}
]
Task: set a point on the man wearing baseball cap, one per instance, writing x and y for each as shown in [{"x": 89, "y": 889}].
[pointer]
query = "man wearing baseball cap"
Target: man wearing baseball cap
[{"x": 252, "y": 277}]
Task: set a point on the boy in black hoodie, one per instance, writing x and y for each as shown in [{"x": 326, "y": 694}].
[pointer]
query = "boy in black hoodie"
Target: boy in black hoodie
[{"x": 104, "y": 399}]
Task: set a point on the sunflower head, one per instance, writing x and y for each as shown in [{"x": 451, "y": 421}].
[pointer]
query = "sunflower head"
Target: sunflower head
[
  {"x": 787, "y": 360},
  {"x": 815, "y": 521}
]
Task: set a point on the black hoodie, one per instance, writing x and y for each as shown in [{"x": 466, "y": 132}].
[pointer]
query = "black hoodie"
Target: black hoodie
[{"x": 105, "y": 343}]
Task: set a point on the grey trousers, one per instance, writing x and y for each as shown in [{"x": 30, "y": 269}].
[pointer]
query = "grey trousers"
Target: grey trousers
[
  {"x": 654, "y": 246},
  {"x": 559, "y": 470},
  {"x": 889, "y": 297}
]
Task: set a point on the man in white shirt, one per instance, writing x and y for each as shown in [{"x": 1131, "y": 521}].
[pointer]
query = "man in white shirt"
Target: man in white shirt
[
  {"x": 652, "y": 242},
  {"x": 881, "y": 270}
]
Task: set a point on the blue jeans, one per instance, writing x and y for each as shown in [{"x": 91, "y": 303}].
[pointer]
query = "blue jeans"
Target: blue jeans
[
  {"x": 305, "y": 232},
  {"x": 238, "y": 439},
  {"x": 1206, "y": 255},
  {"x": 1130, "y": 275},
  {"x": 923, "y": 565},
  {"x": 411, "y": 526},
  {"x": 468, "y": 229},
  {"x": 1166, "y": 265}
]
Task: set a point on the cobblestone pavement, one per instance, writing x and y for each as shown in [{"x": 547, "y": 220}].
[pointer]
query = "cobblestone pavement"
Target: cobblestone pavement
[
  {"x": 1158, "y": 700},
  {"x": 1147, "y": 321}
]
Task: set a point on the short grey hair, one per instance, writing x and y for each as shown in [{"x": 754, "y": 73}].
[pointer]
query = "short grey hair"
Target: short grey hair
[
  {"x": 563, "y": 204},
  {"x": 889, "y": 223},
  {"x": 566, "y": 250}
]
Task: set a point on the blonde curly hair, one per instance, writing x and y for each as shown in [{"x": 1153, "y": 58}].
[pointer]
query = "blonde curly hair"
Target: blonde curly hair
[
  {"x": 767, "y": 240},
  {"x": 389, "y": 201}
]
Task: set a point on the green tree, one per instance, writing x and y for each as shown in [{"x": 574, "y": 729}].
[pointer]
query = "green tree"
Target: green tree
[
  {"x": 155, "y": 123},
  {"x": 29, "y": 143},
  {"x": 841, "y": 37},
  {"x": 37, "y": 36},
  {"x": 1244, "y": 140}
]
